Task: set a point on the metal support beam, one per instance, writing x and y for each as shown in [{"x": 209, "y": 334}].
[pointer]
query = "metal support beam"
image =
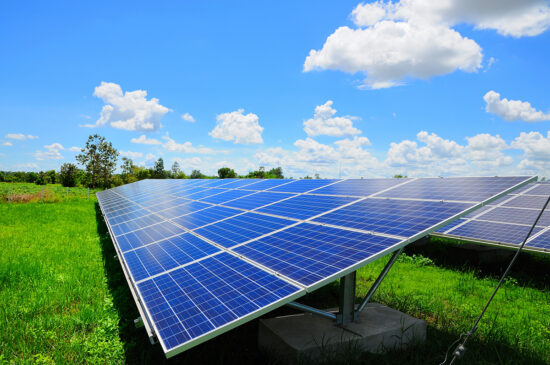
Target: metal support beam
[
  {"x": 378, "y": 281},
  {"x": 346, "y": 314},
  {"x": 307, "y": 308}
]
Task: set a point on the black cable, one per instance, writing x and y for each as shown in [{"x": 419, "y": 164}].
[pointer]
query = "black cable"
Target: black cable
[{"x": 461, "y": 349}]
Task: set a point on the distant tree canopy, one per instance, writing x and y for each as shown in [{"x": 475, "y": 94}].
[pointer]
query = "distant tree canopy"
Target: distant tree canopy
[
  {"x": 196, "y": 174},
  {"x": 274, "y": 173},
  {"x": 158, "y": 170},
  {"x": 399, "y": 176},
  {"x": 226, "y": 172},
  {"x": 68, "y": 174},
  {"x": 99, "y": 159}
]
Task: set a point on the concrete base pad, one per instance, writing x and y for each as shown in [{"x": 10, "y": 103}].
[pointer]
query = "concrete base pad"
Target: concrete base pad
[{"x": 378, "y": 330}]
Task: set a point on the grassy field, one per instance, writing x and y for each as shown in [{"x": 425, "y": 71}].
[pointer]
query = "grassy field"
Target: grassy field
[
  {"x": 50, "y": 193},
  {"x": 64, "y": 299}
]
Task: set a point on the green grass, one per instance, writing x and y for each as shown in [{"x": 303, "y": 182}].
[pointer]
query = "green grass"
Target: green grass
[
  {"x": 63, "y": 298},
  {"x": 50, "y": 193}
]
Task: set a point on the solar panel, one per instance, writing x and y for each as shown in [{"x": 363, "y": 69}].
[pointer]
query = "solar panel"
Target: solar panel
[
  {"x": 203, "y": 256},
  {"x": 506, "y": 221}
]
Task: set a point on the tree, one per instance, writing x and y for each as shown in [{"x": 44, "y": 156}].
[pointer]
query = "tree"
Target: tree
[
  {"x": 142, "y": 173},
  {"x": 275, "y": 173},
  {"x": 52, "y": 176},
  {"x": 175, "y": 169},
  {"x": 399, "y": 176},
  {"x": 226, "y": 172},
  {"x": 128, "y": 168},
  {"x": 196, "y": 174},
  {"x": 317, "y": 176},
  {"x": 99, "y": 158},
  {"x": 67, "y": 174},
  {"x": 41, "y": 179},
  {"x": 158, "y": 170}
]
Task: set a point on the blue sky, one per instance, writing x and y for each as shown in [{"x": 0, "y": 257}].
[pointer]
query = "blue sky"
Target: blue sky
[{"x": 337, "y": 88}]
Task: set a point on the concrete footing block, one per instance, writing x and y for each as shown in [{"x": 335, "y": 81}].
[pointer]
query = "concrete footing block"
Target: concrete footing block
[{"x": 379, "y": 329}]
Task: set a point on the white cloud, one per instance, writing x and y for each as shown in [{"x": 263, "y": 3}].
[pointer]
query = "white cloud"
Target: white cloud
[
  {"x": 130, "y": 111},
  {"x": 536, "y": 152},
  {"x": 439, "y": 147},
  {"x": 186, "y": 147},
  {"x": 313, "y": 151},
  {"x": 53, "y": 152},
  {"x": 191, "y": 163},
  {"x": 8, "y": 144},
  {"x": 29, "y": 166},
  {"x": 324, "y": 123},
  {"x": 389, "y": 51},
  {"x": 20, "y": 136},
  {"x": 131, "y": 154},
  {"x": 188, "y": 117},
  {"x": 414, "y": 38},
  {"x": 237, "y": 127},
  {"x": 513, "y": 110},
  {"x": 515, "y": 18},
  {"x": 144, "y": 140}
]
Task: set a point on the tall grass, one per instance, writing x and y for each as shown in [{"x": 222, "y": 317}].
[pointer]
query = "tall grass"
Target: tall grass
[{"x": 50, "y": 193}]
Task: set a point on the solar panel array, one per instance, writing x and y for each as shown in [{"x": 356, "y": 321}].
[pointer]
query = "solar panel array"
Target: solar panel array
[
  {"x": 203, "y": 256},
  {"x": 507, "y": 221}
]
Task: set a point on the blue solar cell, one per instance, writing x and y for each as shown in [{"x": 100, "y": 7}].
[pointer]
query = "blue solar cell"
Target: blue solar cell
[
  {"x": 206, "y": 216},
  {"x": 302, "y": 186},
  {"x": 166, "y": 255},
  {"x": 540, "y": 242},
  {"x": 182, "y": 209},
  {"x": 205, "y": 193},
  {"x": 451, "y": 225},
  {"x": 463, "y": 189},
  {"x": 516, "y": 216},
  {"x": 309, "y": 253},
  {"x": 242, "y": 228},
  {"x": 147, "y": 235},
  {"x": 540, "y": 189},
  {"x": 526, "y": 201},
  {"x": 306, "y": 206},
  {"x": 226, "y": 196},
  {"x": 191, "y": 301},
  {"x": 135, "y": 224},
  {"x": 359, "y": 187},
  {"x": 397, "y": 217},
  {"x": 240, "y": 183},
  {"x": 266, "y": 184},
  {"x": 257, "y": 200},
  {"x": 116, "y": 219},
  {"x": 492, "y": 231},
  {"x": 186, "y": 192}
]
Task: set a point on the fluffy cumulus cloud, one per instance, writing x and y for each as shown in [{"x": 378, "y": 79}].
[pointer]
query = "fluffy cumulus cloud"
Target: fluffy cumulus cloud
[
  {"x": 188, "y": 118},
  {"x": 187, "y": 147},
  {"x": 536, "y": 151},
  {"x": 415, "y": 39},
  {"x": 144, "y": 140},
  {"x": 7, "y": 144},
  {"x": 346, "y": 156},
  {"x": 325, "y": 123},
  {"x": 130, "y": 110},
  {"x": 53, "y": 152},
  {"x": 131, "y": 154},
  {"x": 513, "y": 110},
  {"x": 432, "y": 155},
  {"x": 238, "y": 127},
  {"x": 20, "y": 136}
]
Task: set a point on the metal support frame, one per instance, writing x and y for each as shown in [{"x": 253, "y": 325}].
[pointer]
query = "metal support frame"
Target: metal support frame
[
  {"x": 347, "y": 312},
  {"x": 378, "y": 281}
]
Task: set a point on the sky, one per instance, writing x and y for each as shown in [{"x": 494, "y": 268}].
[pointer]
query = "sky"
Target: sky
[{"x": 335, "y": 88}]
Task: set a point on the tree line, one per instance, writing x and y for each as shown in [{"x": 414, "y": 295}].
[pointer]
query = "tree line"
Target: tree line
[{"x": 98, "y": 161}]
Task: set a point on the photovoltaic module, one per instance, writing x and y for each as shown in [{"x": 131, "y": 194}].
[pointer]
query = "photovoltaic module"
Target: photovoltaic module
[{"x": 204, "y": 256}]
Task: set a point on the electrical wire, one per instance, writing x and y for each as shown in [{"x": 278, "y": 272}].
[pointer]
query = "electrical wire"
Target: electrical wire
[{"x": 461, "y": 349}]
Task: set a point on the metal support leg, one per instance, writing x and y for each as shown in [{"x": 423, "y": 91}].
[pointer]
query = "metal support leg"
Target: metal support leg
[
  {"x": 378, "y": 281},
  {"x": 346, "y": 314},
  {"x": 307, "y": 308}
]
